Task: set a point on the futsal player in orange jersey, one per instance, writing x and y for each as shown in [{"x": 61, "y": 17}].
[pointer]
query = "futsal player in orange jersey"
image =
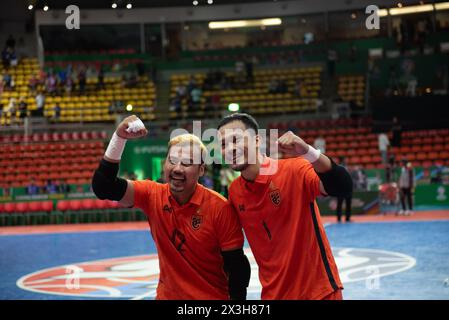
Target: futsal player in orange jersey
[
  {"x": 275, "y": 200},
  {"x": 197, "y": 232}
]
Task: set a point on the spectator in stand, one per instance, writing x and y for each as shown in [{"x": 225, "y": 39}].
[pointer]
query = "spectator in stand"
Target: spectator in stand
[
  {"x": 196, "y": 96},
  {"x": 273, "y": 86},
  {"x": 40, "y": 103},
  {"x": 133, "y": 81},
  {"x": 347, "y": 200},
  {"x": 12, "y": 106},
  {"x": 33, "y": 83},
  {"x": 320, "y": 144},
  {"x": 124, "y": 81},
  {"x": 32, "y": 188},
  {"x": 406, "y": 186},
  {"x": 175, "y": 104},
  {"x": 23, "y": 108},
  {"x": 384, "y": 143},
  {"x": 63, "y": 187},
  {"x": 389, "y": 169},
  {"x": 51, "y": 187},
  {"x": 115, "y": 106},
  {"x": 13, "y": 58},
  {"x": 215, "y": 101},
  {"x": 7, "y": 55},
  {"x": 191, "y": 84},
  {"x": 7, "y": 189},
  {"x": 331, "y": 61},
  {"x": 181, "y": 91},
  {"x": 12, "y": 109},
  {"x": 359, "y": 179},
  {"x": 51, "y": 83},
  {"x": 61, "y": 80},
  {"x": 249, "y": 67},
  {"x": 299, "y": 89},
  {"x": 8, "y": 81},
  {"x": 82, "y": 81},
  {"x": 239, "y": 68},
  {"x": 282, "y": 86},
  {"x": 69, "y": 85},
  {"x": 100, "y": 83},
  {"x": 57, "y": 112},
  {"x": 396, "y": 130}
]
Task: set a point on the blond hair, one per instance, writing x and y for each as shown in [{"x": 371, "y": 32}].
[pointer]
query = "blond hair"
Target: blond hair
[{"x": 190, "y": 140}]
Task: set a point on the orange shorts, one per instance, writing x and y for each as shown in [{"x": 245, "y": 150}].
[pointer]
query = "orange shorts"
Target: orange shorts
[{"x": 336, "y": 295}]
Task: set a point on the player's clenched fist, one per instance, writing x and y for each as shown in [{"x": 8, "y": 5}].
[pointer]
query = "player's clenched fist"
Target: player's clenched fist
[
  {"x": 131, "y": 128},
  {"x": 291, "y": 145}
]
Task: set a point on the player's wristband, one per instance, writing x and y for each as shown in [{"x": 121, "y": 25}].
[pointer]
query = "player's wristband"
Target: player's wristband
[
  {"x": 312, "y": 154},
  {"x": 115, "y": 147}
]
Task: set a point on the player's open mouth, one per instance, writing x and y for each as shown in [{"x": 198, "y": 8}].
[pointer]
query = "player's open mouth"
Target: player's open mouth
[{"x": 177, "y": 180}]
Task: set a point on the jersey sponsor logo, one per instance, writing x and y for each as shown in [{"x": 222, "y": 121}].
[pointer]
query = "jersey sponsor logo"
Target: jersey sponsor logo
[
  {"x": 136, "y": 277},
  {"x": 196, "y": 221}
]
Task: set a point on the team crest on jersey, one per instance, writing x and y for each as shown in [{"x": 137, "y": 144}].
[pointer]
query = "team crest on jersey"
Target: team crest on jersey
[
  {"x": 167, "y": 209},
  {"x": 196, "y": 221},
  {"x": 275, "y": 194}
]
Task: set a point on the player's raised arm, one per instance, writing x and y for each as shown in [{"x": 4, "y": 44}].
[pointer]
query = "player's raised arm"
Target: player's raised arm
[
  {"x": 335, "y": 179},
  {"x": 105, "y": 183}
]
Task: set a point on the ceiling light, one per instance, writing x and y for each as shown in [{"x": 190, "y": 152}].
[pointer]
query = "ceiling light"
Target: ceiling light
[
  {"x": 411, "y": 9},
  {"x": 244, "y": 23}
]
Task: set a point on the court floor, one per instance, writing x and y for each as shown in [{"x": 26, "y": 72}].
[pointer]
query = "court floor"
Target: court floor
[{"x": 379, "y": 257}]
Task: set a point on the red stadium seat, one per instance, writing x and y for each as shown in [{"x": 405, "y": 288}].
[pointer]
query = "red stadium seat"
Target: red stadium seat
[
  {"x": 112, "y": 204},
  {"x": 34, "y": 206},
  {"x": 46, "y": 206},
  {"x": 101, "y": 204},
  {"x": 62, "y": 205},
  {"x": 88, "y": 204},
  {"x": 22, "y": 207},
  {"x": 75, "y": 205}
]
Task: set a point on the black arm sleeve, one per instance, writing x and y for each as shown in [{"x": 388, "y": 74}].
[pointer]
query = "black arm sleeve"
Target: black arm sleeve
[
  {"x": 237, "y": 266},
  {"x": 106, "y": 184},
  {"x": 337, "y": 182}
]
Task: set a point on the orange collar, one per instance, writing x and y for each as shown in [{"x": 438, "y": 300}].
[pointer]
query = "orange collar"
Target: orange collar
[
  {"x": 267, "y": 166},
  {"x": 196, "y": 199}
]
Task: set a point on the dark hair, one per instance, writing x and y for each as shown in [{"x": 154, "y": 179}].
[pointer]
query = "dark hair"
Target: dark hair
[{"x": 249, "y": 121}]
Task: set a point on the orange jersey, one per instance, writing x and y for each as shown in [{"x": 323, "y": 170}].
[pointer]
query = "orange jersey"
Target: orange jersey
[
  {"x": 189, "y": 240},
  {"x": 283, "y": 226}
]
